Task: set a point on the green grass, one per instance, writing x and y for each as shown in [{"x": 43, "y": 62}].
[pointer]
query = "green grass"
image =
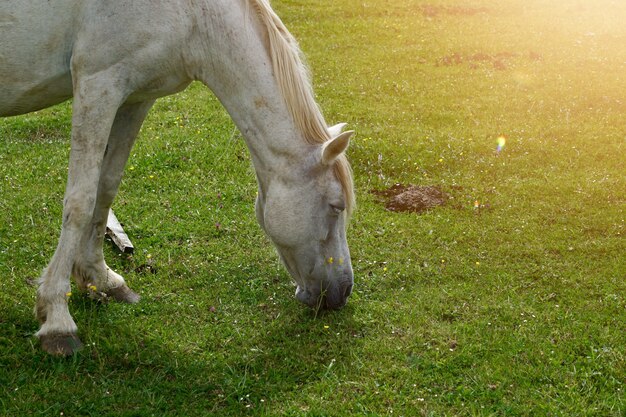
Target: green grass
[{"x": 516, "y": 308}]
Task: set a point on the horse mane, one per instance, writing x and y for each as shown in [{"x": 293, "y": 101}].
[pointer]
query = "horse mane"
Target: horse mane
[{"x": 294, "y": 82}]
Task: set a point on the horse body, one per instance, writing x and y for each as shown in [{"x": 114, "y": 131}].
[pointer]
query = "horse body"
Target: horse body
[
  {"x": 34, "y": 74},
  {"x": 44, "y": 42},
  {"x": 115, "y": 58}
]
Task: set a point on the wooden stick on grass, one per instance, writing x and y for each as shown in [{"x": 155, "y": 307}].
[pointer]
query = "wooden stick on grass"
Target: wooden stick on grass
[{"x": 116, "y": 232}]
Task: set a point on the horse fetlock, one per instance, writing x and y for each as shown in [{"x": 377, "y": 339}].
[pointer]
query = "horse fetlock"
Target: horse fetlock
[
  {"x": 40, "y": 311},
  {"x": 51, "y": 303},
  {"x": 96, "y": 278},
  {"x": 102, "y": 283}
]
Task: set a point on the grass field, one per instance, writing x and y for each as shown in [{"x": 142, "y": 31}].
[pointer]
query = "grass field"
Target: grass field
[{"x": 509, "y": 300}]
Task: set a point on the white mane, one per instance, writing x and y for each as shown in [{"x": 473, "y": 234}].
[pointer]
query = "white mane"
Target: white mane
[{"x": 294, "y": 82}]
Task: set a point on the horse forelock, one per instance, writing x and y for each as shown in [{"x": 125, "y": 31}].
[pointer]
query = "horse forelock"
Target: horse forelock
[{"x": 294, "y": 82}]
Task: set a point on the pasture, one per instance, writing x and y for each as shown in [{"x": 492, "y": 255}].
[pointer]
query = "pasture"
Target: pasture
[{"x": 507, "y": 300}]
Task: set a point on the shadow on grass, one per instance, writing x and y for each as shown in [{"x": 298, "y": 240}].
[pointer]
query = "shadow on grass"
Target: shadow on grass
[
  {"x": 125, "y": 371},
  {"x": 50, "y": 125}
]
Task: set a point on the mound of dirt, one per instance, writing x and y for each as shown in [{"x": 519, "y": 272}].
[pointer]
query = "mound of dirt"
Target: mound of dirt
[
  {"x": 412, "y": 198},
  {"x": 431, "y": 10},
  {"x": 499, "y": 61}
]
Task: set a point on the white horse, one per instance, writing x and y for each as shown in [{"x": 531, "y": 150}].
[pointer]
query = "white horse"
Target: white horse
[{"x": 115, "y": 58}]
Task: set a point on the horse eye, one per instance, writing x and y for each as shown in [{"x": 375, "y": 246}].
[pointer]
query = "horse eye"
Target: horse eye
[{"x": 337, "y": 209}]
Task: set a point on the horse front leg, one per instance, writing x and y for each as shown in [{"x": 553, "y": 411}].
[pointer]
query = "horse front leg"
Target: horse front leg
[
  {"x": 96, "y": 101},
  {"x": 90, "y": 270}
]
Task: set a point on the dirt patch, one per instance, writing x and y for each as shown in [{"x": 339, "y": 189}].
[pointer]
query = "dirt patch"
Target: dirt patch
[
  {"x": 499, "y": 61},
  {"x": 431, "y": 10},
  {"x": 412, "y": 198}
]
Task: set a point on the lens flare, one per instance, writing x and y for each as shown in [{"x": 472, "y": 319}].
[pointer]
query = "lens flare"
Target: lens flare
[{"x": 501, "y": 143}]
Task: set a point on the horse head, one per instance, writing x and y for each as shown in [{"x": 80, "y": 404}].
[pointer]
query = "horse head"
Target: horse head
[{"x": 305, "y": 214}]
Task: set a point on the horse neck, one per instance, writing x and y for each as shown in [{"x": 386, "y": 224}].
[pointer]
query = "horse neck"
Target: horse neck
[{"x": 231, "y": 58}]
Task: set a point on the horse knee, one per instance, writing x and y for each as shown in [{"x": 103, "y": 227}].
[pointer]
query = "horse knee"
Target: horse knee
[{"x": 77, "y": 210}]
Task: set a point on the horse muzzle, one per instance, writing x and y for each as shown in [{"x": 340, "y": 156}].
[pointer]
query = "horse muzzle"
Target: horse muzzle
[{"x": 327, "y": 296}]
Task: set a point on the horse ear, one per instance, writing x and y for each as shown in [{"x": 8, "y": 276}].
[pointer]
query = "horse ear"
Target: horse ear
[
  {"x": 336, "y": 129},
  {"x": 335, "y": 147}
]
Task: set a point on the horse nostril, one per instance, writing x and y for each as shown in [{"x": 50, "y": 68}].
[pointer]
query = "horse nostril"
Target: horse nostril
[{"x": 347, "y": 291}]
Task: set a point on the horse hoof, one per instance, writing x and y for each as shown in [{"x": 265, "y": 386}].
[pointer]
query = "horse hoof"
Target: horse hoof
[
  {"x": 60, "y": 344},
  {"x": 124, "y": 294}
]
